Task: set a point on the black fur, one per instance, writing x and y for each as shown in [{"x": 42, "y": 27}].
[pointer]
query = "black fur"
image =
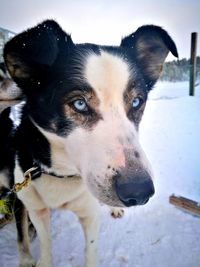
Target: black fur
[
  {"x": 31, "y": 151},
  {"x": 156, "y": 41},
  {"x": 20, "y": 215},
  {"x": 150, "y": 31},
  {"x": 7, "y": 150}
]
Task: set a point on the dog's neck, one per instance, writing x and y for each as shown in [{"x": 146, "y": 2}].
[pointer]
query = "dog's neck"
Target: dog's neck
[{"x": 37, "y": 147}]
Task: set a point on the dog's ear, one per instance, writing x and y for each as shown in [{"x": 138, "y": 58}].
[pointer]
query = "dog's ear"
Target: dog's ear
[
  {"x": 30, "y": 55},
  {"x": 151, "y": 46}
]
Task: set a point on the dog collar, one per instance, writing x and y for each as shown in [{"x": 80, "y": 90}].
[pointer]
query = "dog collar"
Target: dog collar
[
  {"x": 37, "y": 171},
  {"x": 32, "y": 174}
]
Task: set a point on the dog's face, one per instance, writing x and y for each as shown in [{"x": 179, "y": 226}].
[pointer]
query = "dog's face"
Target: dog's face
[
  {"x": 92, "y": 98},
  {"x": 8, "y": 89}
]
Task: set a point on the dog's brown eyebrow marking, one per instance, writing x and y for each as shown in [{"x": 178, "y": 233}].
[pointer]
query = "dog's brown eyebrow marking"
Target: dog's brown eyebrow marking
[
  {"x": 133, "y": 90},
  {"x": 84, "y": 90}
]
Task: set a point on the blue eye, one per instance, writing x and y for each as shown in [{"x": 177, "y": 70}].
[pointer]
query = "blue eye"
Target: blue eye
[
  {"x": 80, "y": 105},
  {"x": 137, "y": 102}
]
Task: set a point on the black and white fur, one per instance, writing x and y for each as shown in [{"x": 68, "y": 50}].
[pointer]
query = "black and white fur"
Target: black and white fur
[{"x": 79, "y": 125}]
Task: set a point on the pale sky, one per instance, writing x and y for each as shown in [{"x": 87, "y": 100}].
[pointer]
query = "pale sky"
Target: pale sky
[{"x": 106, "y": 21}]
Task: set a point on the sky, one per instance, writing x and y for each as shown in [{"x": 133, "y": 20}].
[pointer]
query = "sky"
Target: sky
[{"x": 107, "y": 21}]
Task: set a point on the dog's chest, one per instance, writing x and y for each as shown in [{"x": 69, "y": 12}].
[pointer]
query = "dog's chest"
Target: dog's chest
[
  {"x": 49, "y": 191},
  {"x": 57, "y": 191}
]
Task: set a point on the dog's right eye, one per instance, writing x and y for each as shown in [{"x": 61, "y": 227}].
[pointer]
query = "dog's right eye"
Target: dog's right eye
[
  {"x": 137, "y": 102},
  {"x": 80, "y": 105}
]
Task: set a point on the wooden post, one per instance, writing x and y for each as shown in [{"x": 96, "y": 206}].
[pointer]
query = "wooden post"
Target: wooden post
[
  {"x": 193, "y": 62},
  {"x": 185, "y": 204}
]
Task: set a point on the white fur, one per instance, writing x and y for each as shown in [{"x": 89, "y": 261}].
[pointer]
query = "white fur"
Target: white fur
[
  {"x": 4, "y": 179},
  {"x": 68, "y": 193},
  {"x": 107, "y": 74},
  {"x": 2, "y": 74},
  {"x": 10, "y": 91}
]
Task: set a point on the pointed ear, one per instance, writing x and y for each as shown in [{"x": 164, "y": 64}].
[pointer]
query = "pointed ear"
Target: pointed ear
[
  {"x": 151, "y": 46},
  {"x": 29, "y": 55}
]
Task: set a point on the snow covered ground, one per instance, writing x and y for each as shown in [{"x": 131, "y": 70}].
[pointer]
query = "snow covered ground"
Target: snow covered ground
[{"x": 154, "y": 235}]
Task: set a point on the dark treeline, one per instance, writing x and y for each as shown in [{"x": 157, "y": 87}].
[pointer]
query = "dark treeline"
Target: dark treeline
[{"x": 178, "y": 70}]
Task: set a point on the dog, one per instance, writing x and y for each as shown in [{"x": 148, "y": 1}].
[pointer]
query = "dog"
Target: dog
[
  {"x": 77, "y": 133},
  {"x": 10, "y": 95}
]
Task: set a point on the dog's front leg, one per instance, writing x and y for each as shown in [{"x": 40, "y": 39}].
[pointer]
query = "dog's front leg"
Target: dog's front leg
[
  {"x": 90, "y": 226},
  {"x": 25, "y": 259},
  {"x": 87, "y": 209},
  {"x": 40, "y": 219}
]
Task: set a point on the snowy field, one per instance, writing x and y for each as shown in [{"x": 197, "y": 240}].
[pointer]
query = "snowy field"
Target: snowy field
[{"x": 154, "y": 235}]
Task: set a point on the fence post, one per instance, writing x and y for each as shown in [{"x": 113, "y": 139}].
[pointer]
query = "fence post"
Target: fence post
[{"x": 193, "y": 62}]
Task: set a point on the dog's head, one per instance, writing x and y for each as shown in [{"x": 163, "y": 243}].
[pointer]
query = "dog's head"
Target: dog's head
[
  {"x": 8, "y": 89},
  {"x": 92, "y": 98}
]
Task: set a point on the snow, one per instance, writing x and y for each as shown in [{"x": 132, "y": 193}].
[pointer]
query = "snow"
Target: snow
[{"x": 157, "y": 234}]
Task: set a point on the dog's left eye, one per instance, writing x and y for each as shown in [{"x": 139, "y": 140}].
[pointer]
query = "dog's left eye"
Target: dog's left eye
[
  {"x": 80, "y": 105},
  {"x": 137, "y": 102}
]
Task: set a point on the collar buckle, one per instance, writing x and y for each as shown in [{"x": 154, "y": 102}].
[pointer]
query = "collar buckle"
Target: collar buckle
[{"x": 28, "y": 175}]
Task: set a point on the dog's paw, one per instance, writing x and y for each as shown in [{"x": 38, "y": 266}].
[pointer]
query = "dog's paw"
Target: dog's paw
[{"x": 116, "y": 212}]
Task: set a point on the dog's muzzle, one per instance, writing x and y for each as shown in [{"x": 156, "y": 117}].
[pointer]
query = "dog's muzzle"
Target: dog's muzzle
[{"x": 134, "y": 191}]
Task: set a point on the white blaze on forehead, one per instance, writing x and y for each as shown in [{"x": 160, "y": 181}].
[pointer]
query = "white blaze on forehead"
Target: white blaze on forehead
[{"x": 107, "y": 74}]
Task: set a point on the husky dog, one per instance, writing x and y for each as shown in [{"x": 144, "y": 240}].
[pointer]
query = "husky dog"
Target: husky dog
[{"x": 78, "y": 131}]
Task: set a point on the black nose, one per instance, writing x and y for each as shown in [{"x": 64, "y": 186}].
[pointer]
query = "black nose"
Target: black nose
[{"x": 135, "y": 191}]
